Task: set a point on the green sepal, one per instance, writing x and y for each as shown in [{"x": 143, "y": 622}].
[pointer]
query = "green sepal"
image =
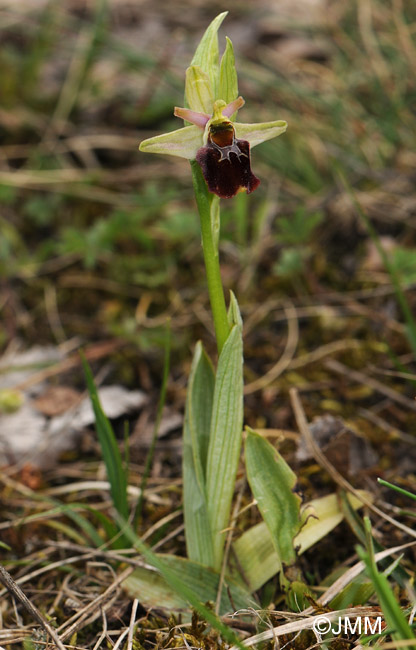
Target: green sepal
[
  {"x": 260, "y": 132},
  {"x": 207, "y": 54},
  {"x": 183, "y": 142},
  {"x": 228, "y": 86},
  {"x": 198, "y": 90}
]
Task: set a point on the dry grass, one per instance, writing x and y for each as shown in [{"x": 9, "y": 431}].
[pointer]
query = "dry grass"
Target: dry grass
[{"x": 100, "y": 247}]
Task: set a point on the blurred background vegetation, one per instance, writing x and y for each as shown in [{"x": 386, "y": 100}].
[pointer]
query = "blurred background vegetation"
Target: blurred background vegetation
[
  {"x": 100, "y": 249},
  {"x": 99, "y": 242}
]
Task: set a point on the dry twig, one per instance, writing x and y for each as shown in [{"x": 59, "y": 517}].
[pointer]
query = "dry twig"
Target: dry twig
[
  {"x": 15, "y": 591},
  {"x": 325, "y": 464}
]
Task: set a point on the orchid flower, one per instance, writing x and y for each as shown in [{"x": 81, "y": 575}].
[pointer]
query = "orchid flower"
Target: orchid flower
[{"x": 220, "y": 145}]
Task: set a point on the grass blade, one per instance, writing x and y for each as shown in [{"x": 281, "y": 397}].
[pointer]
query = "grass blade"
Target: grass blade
[
  {"x": 396, "y": 488},
  {"x": 115, "y": 471},
  {"x": 392, "y": 612}
]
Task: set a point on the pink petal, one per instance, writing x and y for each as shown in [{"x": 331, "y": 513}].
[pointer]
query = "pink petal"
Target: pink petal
[
  {"x": 233, "y": 107},
  {"x": 199, "y": 119}
]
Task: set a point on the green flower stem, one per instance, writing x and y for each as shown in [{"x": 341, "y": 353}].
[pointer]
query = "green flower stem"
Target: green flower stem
[{"x": 211, "y": 257}]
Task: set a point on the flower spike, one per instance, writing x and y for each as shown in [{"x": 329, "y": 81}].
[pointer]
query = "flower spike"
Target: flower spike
[{"x": 220, "y": 145}]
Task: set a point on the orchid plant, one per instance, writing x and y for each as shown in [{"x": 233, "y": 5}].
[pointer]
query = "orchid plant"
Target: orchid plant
[
  {"x": 220, "y": 145},
  {"x": 218, "y": 149}
]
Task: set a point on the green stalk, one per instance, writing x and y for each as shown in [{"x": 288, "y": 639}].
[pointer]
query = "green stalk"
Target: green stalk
[{"x": 211, "y": 257}]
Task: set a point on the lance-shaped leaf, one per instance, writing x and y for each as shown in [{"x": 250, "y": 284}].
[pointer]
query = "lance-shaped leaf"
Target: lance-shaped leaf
[
  {"x": 225, "y": 438},
  {"x": 256, "y": 555},
  {"x": 234, "y": 315},
  {"x": 177, "y": 580},
  {"x": 155, "y": 592},
  {"x": 195, "y": 448},
  {"x": 273, "y": 483}
]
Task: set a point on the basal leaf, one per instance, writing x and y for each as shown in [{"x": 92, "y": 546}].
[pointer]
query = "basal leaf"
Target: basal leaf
[
  {"x": 234, "y": 316},
  {"x": 178, "y": 581},
  {"x": 195, "y": 448},
  {"x": 255, "y": 551},
  {"x": 273, "y": 483},
  {"x": 154, "y": 591},
  {"x": 225, "y": 439}
]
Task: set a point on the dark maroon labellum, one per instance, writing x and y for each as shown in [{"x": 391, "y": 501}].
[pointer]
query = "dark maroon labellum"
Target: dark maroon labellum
[{"x": 225, "y": 162}]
